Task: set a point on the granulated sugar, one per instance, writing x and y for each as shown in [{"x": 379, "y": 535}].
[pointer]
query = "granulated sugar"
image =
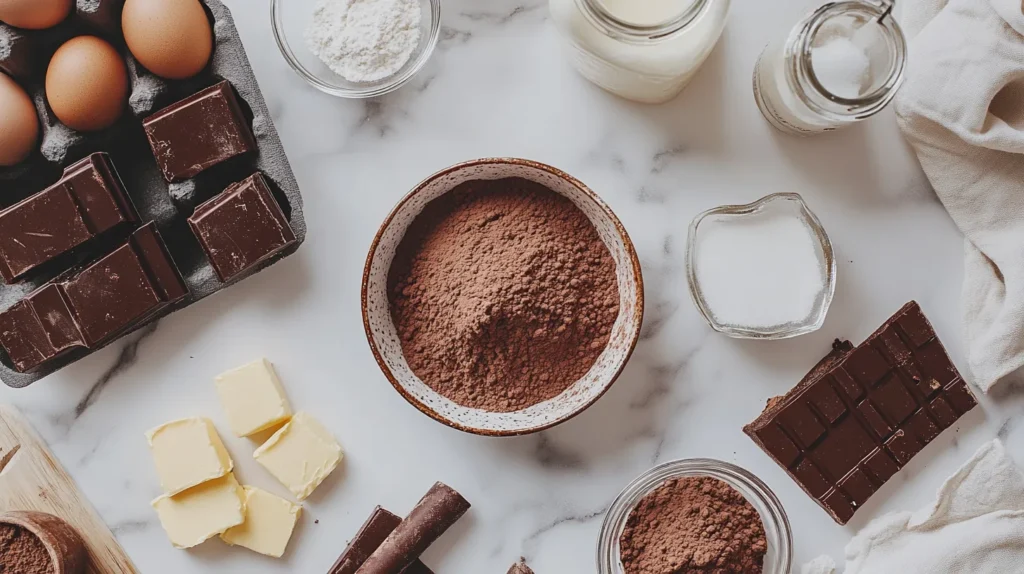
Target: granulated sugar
[
  {"x": 758, "y": 270},
  {"x": 365, "y": 40},
  {"x": 503, "y": 294}
]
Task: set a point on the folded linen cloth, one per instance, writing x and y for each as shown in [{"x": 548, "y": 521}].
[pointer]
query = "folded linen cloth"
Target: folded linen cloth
[
  {"x": 975, "y": 526},
  {"x": 962, "y": 109}
]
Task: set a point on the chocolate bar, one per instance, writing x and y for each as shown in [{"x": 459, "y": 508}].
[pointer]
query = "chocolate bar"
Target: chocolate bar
[
  {"x": 242, "y": 227},
  {"x": 88, "y": 201},
  {"x": 199, "y": 132},
  {"x": 95, "y": 305},
  {"x": 371, "y": 535},
  {"x": 862, "y": 413},
  {"x": 433, "y": 515}
]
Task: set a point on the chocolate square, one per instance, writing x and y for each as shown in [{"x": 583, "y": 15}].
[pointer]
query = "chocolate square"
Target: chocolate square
[
  {"x": 888, "y": 416},
  {"x": 87, "y": 201},
  {"x": 242, "y": 227},
  {"x": 199, "y": 132}
]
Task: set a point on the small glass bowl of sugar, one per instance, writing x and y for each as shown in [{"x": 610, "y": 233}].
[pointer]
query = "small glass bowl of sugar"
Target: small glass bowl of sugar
[
  {"x": 356, "y": 48},
  {"x": 765, "y": 270}
]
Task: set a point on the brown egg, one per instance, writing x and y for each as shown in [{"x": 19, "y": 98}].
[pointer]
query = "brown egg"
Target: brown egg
[
  {"x": 34, "y": 14},
  {"x": 87, "y": 84},
  {"x": 19, "y": 125},
  {"x": 171, "y": 38}
]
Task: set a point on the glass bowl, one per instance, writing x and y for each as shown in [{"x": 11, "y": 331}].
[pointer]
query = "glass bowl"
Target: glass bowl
[
  {"x": 290, "y": 18},
  {"x": 779, "y": 558},
  {"x": 778, "y": 203}
]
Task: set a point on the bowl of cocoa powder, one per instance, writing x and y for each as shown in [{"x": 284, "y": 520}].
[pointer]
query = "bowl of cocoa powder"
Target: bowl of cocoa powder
[
  {"x": 39, "y": 543},
  {"x": 502, "y": 297},
  {"x": 696, "y": 515}
]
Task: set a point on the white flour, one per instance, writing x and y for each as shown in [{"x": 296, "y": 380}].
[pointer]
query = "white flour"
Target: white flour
[{"x": 365, "y": 40}]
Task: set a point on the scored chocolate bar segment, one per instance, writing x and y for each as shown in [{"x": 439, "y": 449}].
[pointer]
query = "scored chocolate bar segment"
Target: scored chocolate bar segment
[
  {"x": 242, "y": 227},
  {"x": 435, "y": 513},
  {"x": 199, "y": 132},
  {"x": 89, "y": 200},
  {"x": 371, "y": 535},
  {"x": 864, "y": 412},
  {"x": 98, "y": 303}
]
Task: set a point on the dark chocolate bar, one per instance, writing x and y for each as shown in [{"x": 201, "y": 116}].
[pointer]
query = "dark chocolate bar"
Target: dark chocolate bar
[
  {"x": 864, "y": 412},
  {"x": 433, "y": 515},
  {"x": 104, "y": 15},
  {"x": 371, "y": 535},
  {"x": 88, "y": 201},
  {"x": 199, "y": 132},
  {"x": 242, "y": 227},
  {"x": 98, "y": 303}
]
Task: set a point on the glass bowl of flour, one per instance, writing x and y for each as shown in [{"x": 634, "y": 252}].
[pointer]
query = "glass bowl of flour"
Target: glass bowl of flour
[
  {"x": 764, "y": 270},
  {"x": 356, "y": 48}
]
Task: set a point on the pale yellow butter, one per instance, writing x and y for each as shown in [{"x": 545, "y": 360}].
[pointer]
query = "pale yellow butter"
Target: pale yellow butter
[
  {"x": 188, "y": 452},
  {"x": 300, "y": 454},
  {"x": 202, "y": 512},
  {"x": 253, "y": 398},
  {"x": 269, "y": 521}
]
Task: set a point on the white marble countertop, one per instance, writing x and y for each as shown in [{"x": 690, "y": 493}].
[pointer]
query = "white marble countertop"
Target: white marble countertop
[{"x": 498, "y": 86}]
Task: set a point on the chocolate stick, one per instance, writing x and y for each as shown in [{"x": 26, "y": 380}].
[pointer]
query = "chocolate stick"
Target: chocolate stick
[
  {"x": 370, "y": 536},
  {"x": 435, "y": 513}
]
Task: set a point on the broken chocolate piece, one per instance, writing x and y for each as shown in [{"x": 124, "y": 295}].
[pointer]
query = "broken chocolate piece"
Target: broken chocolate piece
[
  {"x": 104, "y": 15},
  {"x": 199, "y": 132},
  {"x": 88, "y": 201},
  {"x": 434, "y": 514},
  {"x": 371, "y": 535},
  {"x": 16, "y": 53},
  {"x": 520, "y": 568},
  {"x": 91, "y": 307},
  {"x": 242, "y": 227},
  {"x": 864, "y": 412}
]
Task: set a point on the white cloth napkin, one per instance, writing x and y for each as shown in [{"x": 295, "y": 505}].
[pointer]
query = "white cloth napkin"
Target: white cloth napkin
[
  {"x": 962, "y": 109},
  {"x": 975, "y": 526}
]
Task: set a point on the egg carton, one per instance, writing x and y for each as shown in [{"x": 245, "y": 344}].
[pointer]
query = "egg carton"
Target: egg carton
[{"x": 24, "y": 55}]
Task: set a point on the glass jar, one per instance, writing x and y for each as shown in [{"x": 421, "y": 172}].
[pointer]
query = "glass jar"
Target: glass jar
[
  {"x": 641, "y": 50},
  {"x": 778, "y": 533},
  {"x": 795, "y": 80}
]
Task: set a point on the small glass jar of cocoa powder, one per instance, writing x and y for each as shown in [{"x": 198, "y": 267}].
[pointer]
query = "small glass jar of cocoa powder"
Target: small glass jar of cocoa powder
[{"x": 637, "y": 497}]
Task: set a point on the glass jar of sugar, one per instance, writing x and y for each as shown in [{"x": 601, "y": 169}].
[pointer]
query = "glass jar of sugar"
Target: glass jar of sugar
[
  {"x": 641, "y": 50},
  {"x": 841, "y": 64}
]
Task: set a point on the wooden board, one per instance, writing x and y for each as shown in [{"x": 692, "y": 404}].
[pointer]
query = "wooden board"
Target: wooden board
[{"x": 31, "y": 478}]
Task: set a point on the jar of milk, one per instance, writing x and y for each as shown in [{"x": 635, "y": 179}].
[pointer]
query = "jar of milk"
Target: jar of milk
[{"x": 641, "y": 50}]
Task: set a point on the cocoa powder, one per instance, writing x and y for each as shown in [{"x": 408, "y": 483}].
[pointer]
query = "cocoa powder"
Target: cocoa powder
[
  {"x": 21, "y": 552},
  {"x": 693, "y": 524},
  {"x": 503, "y": 294}
]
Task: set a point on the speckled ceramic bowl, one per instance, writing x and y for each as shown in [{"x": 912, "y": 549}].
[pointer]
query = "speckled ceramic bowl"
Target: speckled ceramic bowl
[{"x": 387, "y": 349}]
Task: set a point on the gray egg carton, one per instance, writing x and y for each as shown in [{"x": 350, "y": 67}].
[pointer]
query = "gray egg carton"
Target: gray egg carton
[{"x": 24, "y": 54}]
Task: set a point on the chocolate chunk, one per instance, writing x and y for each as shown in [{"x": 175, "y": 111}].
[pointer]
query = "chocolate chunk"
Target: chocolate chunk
[
  {"x": 864, "y": 412},
  {"x": 95, "y": 305},
  {"x": 371, "y": 535},
  {"x": 242, "y": 227},
  {"x": 104, "y": 15},
  {"x": 520, "y": 568},
  {"x": 89, "y": 200},
  {"x": 16, "y": 53},
  {"x": 435, "y": 513},
  {"x": 199, "y": 132}
]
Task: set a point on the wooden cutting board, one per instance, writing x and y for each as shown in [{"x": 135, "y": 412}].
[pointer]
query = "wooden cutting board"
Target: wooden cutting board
[{"x": 32, "y": 479}]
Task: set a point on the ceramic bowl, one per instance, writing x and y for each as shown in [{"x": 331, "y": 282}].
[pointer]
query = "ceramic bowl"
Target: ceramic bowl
[
  {"x": 387, "y": 349},
  {"x": 64, "y": 545}
]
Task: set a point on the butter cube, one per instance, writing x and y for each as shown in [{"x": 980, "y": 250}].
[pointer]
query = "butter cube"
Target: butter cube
[
  {"x": 188, "y": 452},
  {"x": 300, "y": 454},
  {"x": 202, "y": 512},
  {"x": 253, "y": 398},
  {"x": 269, "y": 521}
]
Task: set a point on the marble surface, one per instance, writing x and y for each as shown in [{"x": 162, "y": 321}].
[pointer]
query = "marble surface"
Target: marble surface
[{"x": 498, "y": 86}]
